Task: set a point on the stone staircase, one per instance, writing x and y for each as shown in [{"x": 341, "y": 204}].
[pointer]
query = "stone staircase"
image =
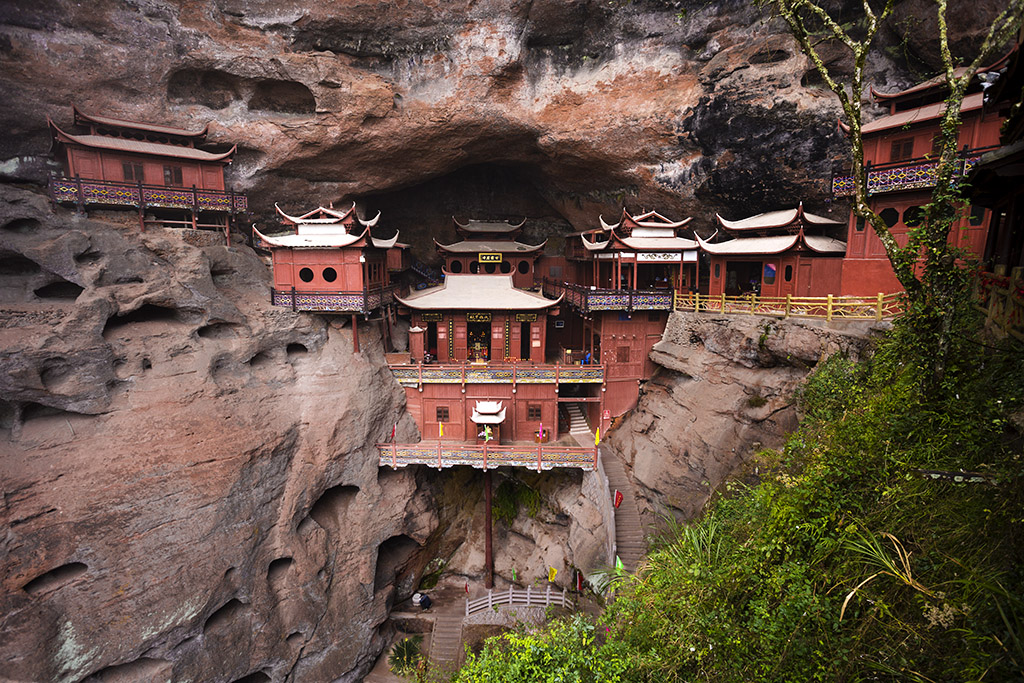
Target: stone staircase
[
  {"x": 629, "y": 534},
  {"x": 578, "y": 422},
  {"x": 446, "y": 639}
]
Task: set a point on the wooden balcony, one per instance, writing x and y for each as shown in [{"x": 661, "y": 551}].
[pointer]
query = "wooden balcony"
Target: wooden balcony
[
  {"x": 83, "y": 192},
  {"x": 441, "y": 455},
  {"x": 589, "y": 299},
  {"x": 362, "y": 301},
  {"x": 912, "y": 174},
  {"x": 829, "y": 307},
  {"x": 417, "y": 374}
]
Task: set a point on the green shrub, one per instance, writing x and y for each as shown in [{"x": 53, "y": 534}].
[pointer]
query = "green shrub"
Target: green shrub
[{"x": 405, "y": 658}]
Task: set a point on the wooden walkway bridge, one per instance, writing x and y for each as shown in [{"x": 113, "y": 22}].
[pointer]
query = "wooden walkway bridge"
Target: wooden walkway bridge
[{"x": 442, "y": 455}]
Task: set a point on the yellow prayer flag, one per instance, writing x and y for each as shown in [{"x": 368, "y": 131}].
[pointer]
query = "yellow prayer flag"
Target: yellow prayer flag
[
  {"x": 597, "y": 436},
  {"x": 440, "y": 429},
  {"x": 551, "y": 574}
]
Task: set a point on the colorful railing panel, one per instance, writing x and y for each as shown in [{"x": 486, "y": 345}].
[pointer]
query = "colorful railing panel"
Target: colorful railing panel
[
  {"x": 411, "y": 375},
  {"x": 913, "y": 176},
  {"x": 104, "y": 193},
  {"x": 587, "y": 299},
  {"x": 828, "y": 307},
  {"x": 333, "y": 302},
  {"x": 443, "y": 455}
]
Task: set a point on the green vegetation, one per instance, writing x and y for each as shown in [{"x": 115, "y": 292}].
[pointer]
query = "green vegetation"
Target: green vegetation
[
  {"x": 510, "y": 495},
  {"x": 405, "y": 658},
  {"x": 844, "y": 563}
]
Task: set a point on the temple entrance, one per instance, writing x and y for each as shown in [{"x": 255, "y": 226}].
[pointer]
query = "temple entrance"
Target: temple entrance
[
  {"x": 432, "y": 339},
  {"x": 524, "y": 341},
  {"x": 742, "y": 277},
  {"x": 478, "y": 338}
]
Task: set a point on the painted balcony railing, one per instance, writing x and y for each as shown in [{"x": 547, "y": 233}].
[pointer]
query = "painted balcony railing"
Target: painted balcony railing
[
  {"x": 334, "y": 301},
  {"x": 913, "y": 174},
  {"x": 416, "y": 374},
  {"x": 1002, "y": 299},
  {"x": 83, "y": 192},
  {"x": 588, "y": 299},
  {"x": 441, "y": 455},
  {"x": 828, "y": 307}
]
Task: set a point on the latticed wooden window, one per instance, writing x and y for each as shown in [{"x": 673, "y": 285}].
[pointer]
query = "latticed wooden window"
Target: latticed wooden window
[
  {"x": 622, "y": 354},
  {"x": 902, "y": 149},
  {"x": 442, "y": 413},
  {"x": 533, "y": 411},
  {"x": 172, "y": 175},
  {"x": 132, "y": 171}
]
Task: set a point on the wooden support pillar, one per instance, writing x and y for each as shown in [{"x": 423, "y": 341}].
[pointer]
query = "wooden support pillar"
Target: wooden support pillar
[
  {"x": 488, "y": 551},
  {"x": 355, "y": 333}
]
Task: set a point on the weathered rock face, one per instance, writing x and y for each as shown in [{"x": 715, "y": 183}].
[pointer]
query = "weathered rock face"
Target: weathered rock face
[
  {"x": 551, "y": 109},
  {"x": 190, "y": 486},
  {"x": 726, "y": 388}
]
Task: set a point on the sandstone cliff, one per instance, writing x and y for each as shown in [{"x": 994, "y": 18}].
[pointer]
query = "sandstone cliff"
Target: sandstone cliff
[
  {"x": 557, "y": 110},
  {"x": 725, "y": 388}
]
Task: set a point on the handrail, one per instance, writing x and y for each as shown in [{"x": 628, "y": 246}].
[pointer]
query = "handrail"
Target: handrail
[
  {"x": 415, "y": 374},
  {"x": 539, "y": 457},
  {"x": 906, "y": 174},
  {"x": 337, "y": 300},
  {"x": 83, "y": 191},
  {"x": 828, "y": 307},
  {"x": 525, "y": 598},
  {"x": 589, "y": 299}
]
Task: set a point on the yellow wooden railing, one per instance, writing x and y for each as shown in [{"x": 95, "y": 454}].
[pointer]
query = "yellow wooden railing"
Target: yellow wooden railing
[{"x": 828, "y": 307}]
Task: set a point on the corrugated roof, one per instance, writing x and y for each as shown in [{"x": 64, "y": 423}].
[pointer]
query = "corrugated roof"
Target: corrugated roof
[
  {"x": 775, "y": 219},
  {"x": 825, "y": 245},
  {"x": 658, "y": 243},
  {"x": 477, "y": 246},
  {"x": 751, "y": 245},
  {"x": 920, "y": 114},
  {"x": 141, "y": 147},
  {"x": 138, "y": 125},
  {"x": 312, "y": 241},
  {"x": 478, "y": 293},
  {"x": 488, "y": 226}
]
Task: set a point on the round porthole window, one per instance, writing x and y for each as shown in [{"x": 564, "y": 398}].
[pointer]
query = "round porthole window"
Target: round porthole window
[
  {"x": 489, "y": 268},
  {"x": 474, "y": 267},
  {"x": 523, "y": 267},
  {"x": 506, "y": 267},
  {"x": 330, "y": 274},
  {"x": 306, "y": 274},
  {"x": 455, "y": 267}
]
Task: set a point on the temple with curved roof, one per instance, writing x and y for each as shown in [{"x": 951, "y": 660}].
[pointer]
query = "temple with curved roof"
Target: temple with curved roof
[{"x": 159, "y": 170}]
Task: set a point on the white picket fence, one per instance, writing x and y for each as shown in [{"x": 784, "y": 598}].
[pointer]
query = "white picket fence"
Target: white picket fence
[{"x": 522, "y": 598}]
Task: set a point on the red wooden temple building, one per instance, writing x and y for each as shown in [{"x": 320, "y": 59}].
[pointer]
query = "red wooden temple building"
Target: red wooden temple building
[
  {"x": 331, "y": 263},
  {"x": 160, "y": 171},
  {"x": 900, "y": 150},
  {"x": 791, "y": 252},
  {"x": 619, "y": 283}
]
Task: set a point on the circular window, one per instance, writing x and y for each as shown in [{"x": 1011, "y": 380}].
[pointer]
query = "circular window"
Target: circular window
[
  {"x": 890, "y": 216},
  {"x": 330, "y": 274},
  {"x": 306, "y": 274},
  {"x": 489, "y": 268},
  {"x": 523, "y": 267},
  {"x": 912, "y": 216},
  {"x": 474, "y": 267},
  {"x": 455, "y": 267},
  {"x": 506, "y": 267}
]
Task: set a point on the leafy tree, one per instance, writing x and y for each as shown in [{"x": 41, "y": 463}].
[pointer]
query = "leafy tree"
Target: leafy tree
[{"x": 937, "y": 290}]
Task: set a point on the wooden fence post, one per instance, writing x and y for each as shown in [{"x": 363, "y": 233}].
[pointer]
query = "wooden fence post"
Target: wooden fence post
[
  {"x": 828, "y": 309},
  {"x": 789, "y": 304},
  {"x": 878, "y": 308},
  {"x": 723, "y": 302}
]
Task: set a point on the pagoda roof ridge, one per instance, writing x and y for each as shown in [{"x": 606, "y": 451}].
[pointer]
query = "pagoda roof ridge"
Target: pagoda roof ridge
[
  {"x": 477, "y": 292},
  {"x": 470, "y": 246},
  {"x": 324, "y": 241},
  {"x": 487, "y": 226},
  {"x": 939, "y": 80},
  {"x": 661, "y": 222},
  {"x": 333, "y": 215},
  {"x": 773, "y": 220},
  {"x": 81, "y": 116},
  {"x": 137, "y": 146}
]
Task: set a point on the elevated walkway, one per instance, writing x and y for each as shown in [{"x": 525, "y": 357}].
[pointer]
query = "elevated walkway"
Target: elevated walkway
[{"x": 442, "y": 455}]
